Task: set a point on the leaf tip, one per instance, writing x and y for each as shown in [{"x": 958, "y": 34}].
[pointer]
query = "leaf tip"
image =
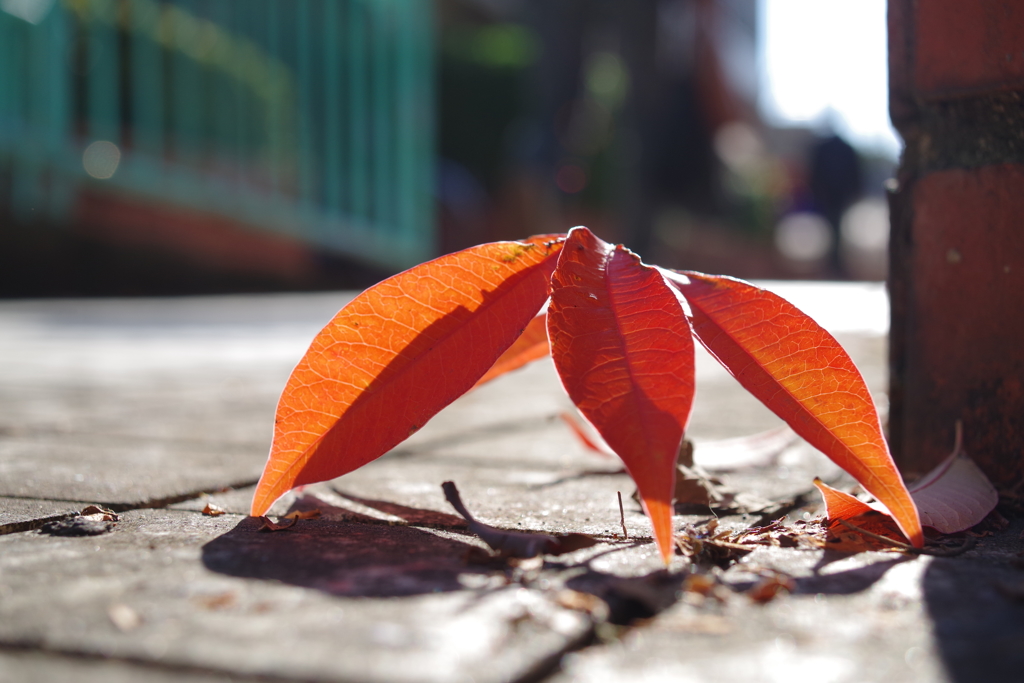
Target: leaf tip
[{"x": 660, "y": 514}]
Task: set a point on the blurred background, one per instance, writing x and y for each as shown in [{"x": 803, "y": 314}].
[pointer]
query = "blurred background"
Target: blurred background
[{"x": 188, "y": 146}]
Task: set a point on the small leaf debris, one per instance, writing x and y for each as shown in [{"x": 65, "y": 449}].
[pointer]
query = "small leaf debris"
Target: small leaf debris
[
  {"x": 270, "y": 525},
  {"x": 123, "y": 617},
  {"x": 212, "y": 510},
  {"x": 103, "y": 513},
  {"x": 769, "y": 588},
  {"x": 708, "y": 544},
  {"x": 303, "y": 514},
  {"x": 697, "y": 491}
]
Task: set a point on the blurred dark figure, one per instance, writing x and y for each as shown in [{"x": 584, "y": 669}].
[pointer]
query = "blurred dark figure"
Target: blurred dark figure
[
  {"x": 595, "y": 112},
  {"x": 836, "y": 182},
  {"x": 653, "y": 132}
]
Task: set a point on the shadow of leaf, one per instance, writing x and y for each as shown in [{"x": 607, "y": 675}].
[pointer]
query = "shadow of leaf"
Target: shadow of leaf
[
  {"x": 846, "y": 582},
  {"x": 346, "y": 557},
  {"x": 418, "y": 516}
]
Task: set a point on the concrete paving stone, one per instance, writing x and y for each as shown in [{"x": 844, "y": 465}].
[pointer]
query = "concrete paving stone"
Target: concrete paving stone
[
  {"x": 570, "y": 509},
  {"x": 18, "y": 514},
  {"x": 133, "y": 401},
  {"x": 336, "y": 601},
  {"x": 873, "y": 616},
  {"x": 558, "y": 497},
  {"x": 116, "y": 473},
  {"x": 33, "y": 666}
]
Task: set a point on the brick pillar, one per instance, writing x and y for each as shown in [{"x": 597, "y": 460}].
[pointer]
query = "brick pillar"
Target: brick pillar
[{"x": 956, "y": 281}]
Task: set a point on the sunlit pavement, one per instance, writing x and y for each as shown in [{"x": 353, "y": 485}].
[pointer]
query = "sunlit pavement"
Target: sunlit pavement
[{"x": 157, "y": 409}]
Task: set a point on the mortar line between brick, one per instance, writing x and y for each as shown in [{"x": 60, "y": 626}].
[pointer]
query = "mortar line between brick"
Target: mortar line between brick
[
  {"x": 169, "y": 667},
  {"x": 30, "y": 525}
]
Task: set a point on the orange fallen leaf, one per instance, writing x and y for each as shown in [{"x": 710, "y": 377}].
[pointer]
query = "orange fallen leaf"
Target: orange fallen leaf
[
  {"x": 531, "y": 345},
  {"x": 624, "y": 352},
  {"x": 953, "y": 497},
  {"x": 621, "y": 338},
  {"x": 396, "y": 355},
  {"x": 800, "y": 372},
  {"x": 586, "y": 435}
]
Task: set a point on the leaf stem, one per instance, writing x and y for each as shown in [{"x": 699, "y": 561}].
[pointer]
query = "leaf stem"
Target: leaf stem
[
  {"x": 622, "y": 517},
  {"x": 948, "y": 552}
]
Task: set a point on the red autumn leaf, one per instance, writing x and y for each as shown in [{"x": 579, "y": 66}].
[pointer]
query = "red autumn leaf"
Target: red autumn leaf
[
  {"x": 803, "y": 375},
  {"x": 396, "y": 355},
  {"x": 624, "y": 352},
  {"x": 587, "y": 435},
  {"x": 531, "y": 345},
  {"x": 839, "y": 504}
]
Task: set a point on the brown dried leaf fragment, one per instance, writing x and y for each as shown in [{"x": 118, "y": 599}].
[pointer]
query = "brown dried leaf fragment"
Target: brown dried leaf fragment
[
  {"x": 698, "y": 588},
  {"x": 697, "y": 491},
  {"x": 843, "y": 537},
  {"x": 768, "y": 589},
  {"x": 778, "y": 534},
  {"x": 212, "y": 510},
  {"x": 705, "y": 544},
  {"x": 303, "y": 514},
  {"x": 217, "y": 601},
  {"x": 702, "y": 584},
  {"x": 99, "y": 513},
  {"x": 583, "y": 602},
  {"x": 270, "y": 525}
]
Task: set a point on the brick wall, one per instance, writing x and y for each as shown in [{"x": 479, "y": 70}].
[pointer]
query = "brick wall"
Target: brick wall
[{"x": 956, "y": 74}]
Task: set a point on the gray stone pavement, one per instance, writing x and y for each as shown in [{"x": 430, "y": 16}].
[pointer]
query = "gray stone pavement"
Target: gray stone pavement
[{"x": 158, "y": 408}]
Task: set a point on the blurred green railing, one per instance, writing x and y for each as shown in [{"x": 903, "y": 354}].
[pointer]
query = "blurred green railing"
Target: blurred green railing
[{"x": 311, "y": 118}]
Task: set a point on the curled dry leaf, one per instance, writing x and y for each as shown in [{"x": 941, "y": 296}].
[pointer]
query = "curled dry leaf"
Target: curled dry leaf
[
  {"x": 271, "y": 525},
  {"x": 800, "y": 534},
  {"x": 707, "y": 544},
  {"x": 99, "y": 513},
  {"x": 583, "y": 602},
  {"x": 701, "y": 584},
  {"x": 697, "y": 492},
  {"x": 956, "y": 495},
  {"x": 769, "y": 588},
  {"x": 212, "y": 510},
  {"x": 710, "y": 544},
  {"x": 303, "y": 514},
  {"x": 953, "y": 497},
  {"x": 515, "y": 543}
]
